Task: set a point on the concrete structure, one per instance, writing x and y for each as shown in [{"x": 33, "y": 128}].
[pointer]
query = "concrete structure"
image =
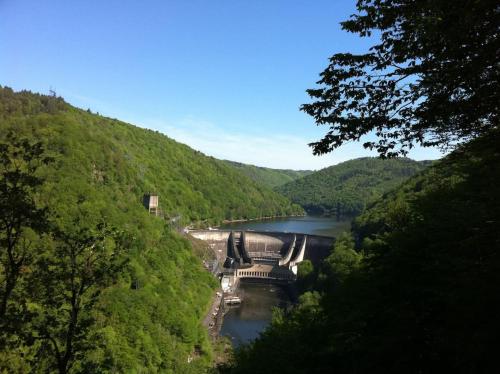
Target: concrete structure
[
  {"x": 263, "y": 255},
  {"x": 150, "y": 202}
]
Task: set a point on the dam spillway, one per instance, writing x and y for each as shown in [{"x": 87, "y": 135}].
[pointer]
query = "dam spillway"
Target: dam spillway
[{"x": 263, "y": 255}]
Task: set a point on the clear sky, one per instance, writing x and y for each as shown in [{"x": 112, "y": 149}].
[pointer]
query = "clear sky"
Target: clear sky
[{"x": 226, "y": 77}]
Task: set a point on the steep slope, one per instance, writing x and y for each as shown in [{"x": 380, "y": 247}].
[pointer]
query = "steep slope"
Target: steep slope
[
  {"x": 269, "y": 177},
  {"x": 135, "y": 161},
  {"x": 150, "y": 320},
  {"x": 418, "y": 294},
  {"x": 346, "y": 188}
]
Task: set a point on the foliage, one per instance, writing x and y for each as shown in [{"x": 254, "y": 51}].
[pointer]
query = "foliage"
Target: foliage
[
  {"x": 346, "y": 188},
  {"x": 20, "y": 216},
  {"x": 42, "y": 289},
  {"x": 22, "y": 222},
  {"x": 64, "y": 285},
  {"x": 146, "y": 316},
  {"x": 268, "y": 177},
  {"x": 431, "y": 78},
  {"x": 418, "y": 294},
  {"x": 339, "y": 265},
  {"x": 110, "y": 154},
  {"x": 305, "y": 275}
]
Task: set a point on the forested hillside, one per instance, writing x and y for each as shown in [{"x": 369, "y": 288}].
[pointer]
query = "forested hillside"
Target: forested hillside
[
  {"x": 89, "y": 280},
  {"x": 416, "y": 288},
  {"x": 135, "y": 161},
  {"x": 346, "y": 188},
  {"x": 269, "y": 177}
]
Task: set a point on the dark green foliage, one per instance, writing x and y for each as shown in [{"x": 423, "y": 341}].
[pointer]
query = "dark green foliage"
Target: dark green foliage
[
  {"x": 20, "y": 217},
  {"x": 339, "y": 265},
  {"x": 288, "y": 344},
  {"x": 22, "y": 222},
  {"x": 421, "y": 294},
  {"x": 305, "y": 275},
  {"x": 422, "y": 298},
  {"x": 346, "y": 188},
  {"x": 431, "y": 78},
  {"x": 63, "y": 287},
  {"x": 268, "y": 177}
]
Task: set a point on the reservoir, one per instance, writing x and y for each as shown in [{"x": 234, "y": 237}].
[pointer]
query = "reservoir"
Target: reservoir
[
  {"x": 312, "y": 225},
  {"x": 243, "y": 323}
]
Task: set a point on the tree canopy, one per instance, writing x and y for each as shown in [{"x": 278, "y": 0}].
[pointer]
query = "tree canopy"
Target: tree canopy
[
  {"x": 347, "y": 188},
  {"x": 19, "y": 164},
  {"x": 271, "y": 178},
  {"x": 197, "y": 188},
  {"x": 431, "y": 79}
]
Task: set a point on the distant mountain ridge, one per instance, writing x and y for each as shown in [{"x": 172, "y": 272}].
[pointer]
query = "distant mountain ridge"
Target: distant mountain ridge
[
  {"x": 268, "y": 177},
  {"x": 346, "y": 188}
]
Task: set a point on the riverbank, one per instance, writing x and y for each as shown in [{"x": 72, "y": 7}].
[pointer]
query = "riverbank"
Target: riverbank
[{"x": 213, "y": 319}]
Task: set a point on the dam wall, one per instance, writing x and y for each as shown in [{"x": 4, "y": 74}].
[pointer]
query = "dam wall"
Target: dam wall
[{"x": 267, "y": 244}]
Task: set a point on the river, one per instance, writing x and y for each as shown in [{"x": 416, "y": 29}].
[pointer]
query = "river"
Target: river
[{"x": 243, "y": 323}]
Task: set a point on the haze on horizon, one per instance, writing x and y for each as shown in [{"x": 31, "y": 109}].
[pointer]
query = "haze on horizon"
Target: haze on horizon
[{"x": 225, "y": 78}]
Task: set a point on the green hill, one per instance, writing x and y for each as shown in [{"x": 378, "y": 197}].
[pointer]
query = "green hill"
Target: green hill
[
  {"x": 150, "y": 321},
  {"x": 346, "y": 188},
  {"x": 415, "y": 291},
  {"x": 269, "y": 177},
  {"x": 134, "y": 161}
]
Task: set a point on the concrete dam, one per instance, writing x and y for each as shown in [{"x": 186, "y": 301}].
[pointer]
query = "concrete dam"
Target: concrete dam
[{"x": 262, "y": 255}]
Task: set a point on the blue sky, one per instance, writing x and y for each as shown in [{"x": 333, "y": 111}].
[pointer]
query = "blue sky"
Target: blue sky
[{"x": 225, "y": 77}]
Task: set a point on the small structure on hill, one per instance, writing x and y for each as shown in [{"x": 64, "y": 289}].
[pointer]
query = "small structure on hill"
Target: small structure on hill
[{"x": 150, "y": 202}]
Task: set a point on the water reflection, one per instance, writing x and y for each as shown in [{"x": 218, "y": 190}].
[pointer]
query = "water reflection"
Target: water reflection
[{"x": 243, "y": 323}]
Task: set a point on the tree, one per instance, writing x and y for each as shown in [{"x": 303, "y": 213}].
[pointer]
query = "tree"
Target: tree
[
  {"x": 305, "y": 275},
  {"x": 431, "y": 80},
  {"x": 20, "y": 160},
  {"x": 341, "y": 262},
  {"x": 65, "y": 285}
]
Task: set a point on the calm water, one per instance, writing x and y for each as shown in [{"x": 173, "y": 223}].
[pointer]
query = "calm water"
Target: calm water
[
  {"x": 307, "y": 225},
  {"x": 243, "y": 323}
]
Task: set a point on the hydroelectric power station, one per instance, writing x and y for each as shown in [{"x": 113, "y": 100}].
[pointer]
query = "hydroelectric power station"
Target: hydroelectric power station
[{"x": 267, "y": 256}]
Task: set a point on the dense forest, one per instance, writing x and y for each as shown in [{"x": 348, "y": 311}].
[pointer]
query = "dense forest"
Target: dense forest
[
  {"x": 347, "y": 188},
  {"x": 134, "y": 161},
  {"x": 271, "y": 178},
  {"x": 413, "y": 289},
  {"x": 90, "y": 281}
]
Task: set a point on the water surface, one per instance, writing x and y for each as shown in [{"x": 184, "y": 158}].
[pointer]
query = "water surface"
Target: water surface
[
  {"x": 311, "y": 225},
  {"x": 243, "y": 323}
]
